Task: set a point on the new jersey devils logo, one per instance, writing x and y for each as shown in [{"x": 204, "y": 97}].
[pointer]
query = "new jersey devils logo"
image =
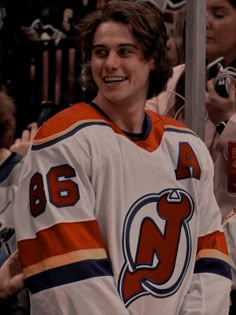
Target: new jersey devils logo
[{"x": 156, "y": 245}]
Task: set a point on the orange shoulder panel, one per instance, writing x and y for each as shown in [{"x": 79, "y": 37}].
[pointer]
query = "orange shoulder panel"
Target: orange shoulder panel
[
  {"x": 166, "y": 120},
  {"x": 67, "y": 118}
]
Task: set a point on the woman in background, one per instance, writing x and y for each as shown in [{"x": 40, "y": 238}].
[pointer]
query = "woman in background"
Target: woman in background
[{"x": 220, "y": 127}]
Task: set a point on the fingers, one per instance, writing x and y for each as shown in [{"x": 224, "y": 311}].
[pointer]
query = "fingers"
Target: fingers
[
  {"x": 232, "y": 89},
  {"x": 33, "y": 129},
  {"x": 211, "y": 86},
  {"x": 21, "y": 145},
  {"x": 25, "y": 136},
  {"x": 28, "y": 134},
  {"x": 17, "y": 142}
]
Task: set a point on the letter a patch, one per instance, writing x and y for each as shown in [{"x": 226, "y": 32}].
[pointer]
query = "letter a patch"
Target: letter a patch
[{"x": 188, "y": 166}]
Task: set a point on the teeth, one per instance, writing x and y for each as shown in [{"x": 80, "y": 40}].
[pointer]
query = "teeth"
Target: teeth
[{"x": 114, "y": 79}]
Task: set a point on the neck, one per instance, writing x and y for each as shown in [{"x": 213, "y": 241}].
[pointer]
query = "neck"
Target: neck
[{"x": 127, "y": 117}]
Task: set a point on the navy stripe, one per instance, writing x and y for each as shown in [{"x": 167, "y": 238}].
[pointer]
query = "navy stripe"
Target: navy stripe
[
  {"x": 69, "y": 273},
  {"x": 36, "y": 147},
  {"x": 187, "y": 131},
  {"x": 8, "y": 165},
  {"x": 213, "y": 265}
]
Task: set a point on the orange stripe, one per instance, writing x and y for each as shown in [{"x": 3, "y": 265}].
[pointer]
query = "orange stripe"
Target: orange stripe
[
  {"x": 215, "y": 240},
  {"x": 166, "y": 120},
  {"x": 62, "y": 260},
  {"x": 66, "y": 118},
  {"x": 213, "y": 253},
  {"x": 60, "y": 239},
  {"x": 64, "y": 132}
]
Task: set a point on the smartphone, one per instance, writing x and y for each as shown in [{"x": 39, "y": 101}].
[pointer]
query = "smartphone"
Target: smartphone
[
  {"x": 213, "y": 68},
  {"x": 222, "y": 83}
]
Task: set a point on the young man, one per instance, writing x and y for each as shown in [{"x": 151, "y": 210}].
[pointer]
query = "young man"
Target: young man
[{"x": 118, "y": 214}]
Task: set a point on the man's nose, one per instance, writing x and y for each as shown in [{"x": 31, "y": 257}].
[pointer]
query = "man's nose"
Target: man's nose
[{"x": 112, "y": 60}]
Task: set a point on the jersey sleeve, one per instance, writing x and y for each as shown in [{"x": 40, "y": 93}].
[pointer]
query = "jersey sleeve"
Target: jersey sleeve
[
  {"x": 230, "y": 234},
  {"x": 210, "y": 287},
  {"x": 65, "y": 263},
  {"x": 9, "y": 173}
]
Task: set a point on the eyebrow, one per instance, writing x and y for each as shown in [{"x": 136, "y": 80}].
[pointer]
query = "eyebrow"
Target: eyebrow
[
  {"x": 120, "y": 45},
  {"x": 218, "y": 7}
]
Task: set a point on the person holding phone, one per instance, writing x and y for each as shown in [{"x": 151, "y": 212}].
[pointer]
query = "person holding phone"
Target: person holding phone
[{"x": 220, "y": 125}]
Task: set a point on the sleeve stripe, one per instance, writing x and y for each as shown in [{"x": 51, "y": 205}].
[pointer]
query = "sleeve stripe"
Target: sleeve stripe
[
  {"x": 213, "y": 253},
  {"x": 213, "y": 265},
  {"x": 215, "y": 240},
  {"x": 68, "y": 274},
  {"x": 61, "y": 260},
  {"x": 50, "y": 242},
  {"x": 179, "y": 130},
  {"x": 51, "y": 140}
]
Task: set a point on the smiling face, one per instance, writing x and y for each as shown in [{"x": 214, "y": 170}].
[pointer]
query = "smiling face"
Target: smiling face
[
  {"x": 221, "y": 27},
  {"x": 118, "y": 66}
]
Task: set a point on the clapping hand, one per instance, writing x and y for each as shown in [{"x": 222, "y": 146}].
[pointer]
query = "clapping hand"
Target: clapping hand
[{"x": 21, "y": 145}]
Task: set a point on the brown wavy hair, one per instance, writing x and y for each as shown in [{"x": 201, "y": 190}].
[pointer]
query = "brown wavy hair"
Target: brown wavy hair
[
  {"x": 7, "y": 120},
  {"x": 148, "y": 28},
  {"x": 233, "y": 3}
]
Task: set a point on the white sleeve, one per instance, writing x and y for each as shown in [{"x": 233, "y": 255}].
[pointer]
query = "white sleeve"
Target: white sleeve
[
  {"x": 65, "y": 262},
  {"x": 209, "y": 291},
  {"x": 229, "y": 226}
]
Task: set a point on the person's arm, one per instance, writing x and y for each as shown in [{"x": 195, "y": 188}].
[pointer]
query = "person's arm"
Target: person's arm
[
  {"x": 220, "y": 131},
  {"x": 11, "y": 277},
  {"x": 209, "y": 291},
  {"x": 65, "y": 263}
]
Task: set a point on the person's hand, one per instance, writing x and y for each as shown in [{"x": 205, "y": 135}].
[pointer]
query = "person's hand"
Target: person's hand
[
  {"x": 21, "y": 145},
  {"x": 11, "y": 277},
  {"x": 220, "y": 108}
]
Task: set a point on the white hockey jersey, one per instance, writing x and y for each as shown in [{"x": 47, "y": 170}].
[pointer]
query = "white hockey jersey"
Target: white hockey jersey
[
  {"x": 9, "y": 173},
  {"x": 229, "y": 226},
  {"x": 111, "y": 226}
]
